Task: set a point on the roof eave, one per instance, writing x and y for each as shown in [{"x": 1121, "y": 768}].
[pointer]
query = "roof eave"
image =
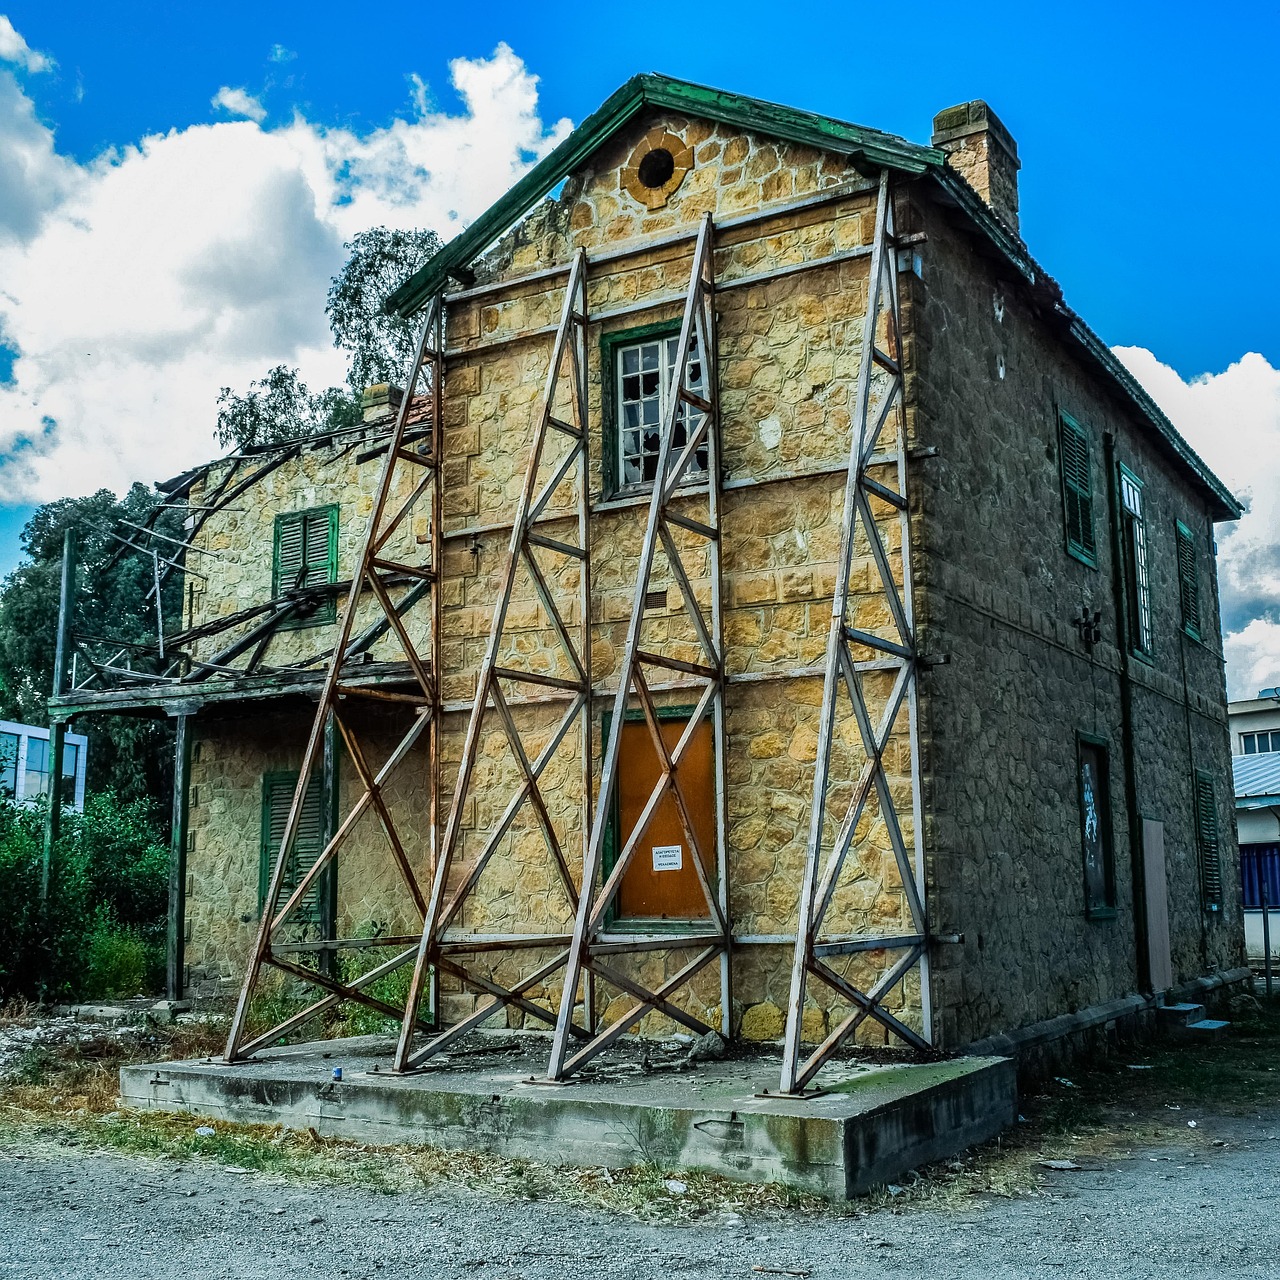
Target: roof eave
[{"x": 1222, "y": 503}]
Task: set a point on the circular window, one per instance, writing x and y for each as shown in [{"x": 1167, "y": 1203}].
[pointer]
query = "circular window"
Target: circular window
[{"x": 656, "y": 168}]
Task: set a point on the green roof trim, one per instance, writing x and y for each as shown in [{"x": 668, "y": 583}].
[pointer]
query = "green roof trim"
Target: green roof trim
[
  {"x": 868, "y": 147},
  {"x": 639, "y": 93}
]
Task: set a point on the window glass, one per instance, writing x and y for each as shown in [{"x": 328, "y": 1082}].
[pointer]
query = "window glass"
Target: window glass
[
  {"x": 8, "y": 766},
  {"x": 67, "y": 786},
  {"x": 36, "y": 782},
  {"x": 1249, "y": 742},
  {"x": 643, "y": 380},
  {"x": 1095, "y": 827},
  {"x": 1137, "y": 578}
]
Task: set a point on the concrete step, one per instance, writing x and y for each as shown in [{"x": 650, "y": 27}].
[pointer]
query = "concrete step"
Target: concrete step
[
  {"x": 1179, "y": 1015},
  {"x": 1206, "y": 1029}
]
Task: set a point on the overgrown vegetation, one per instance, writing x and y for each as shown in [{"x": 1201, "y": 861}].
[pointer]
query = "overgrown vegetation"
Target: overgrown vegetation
[{"x": 100, "y": 934}]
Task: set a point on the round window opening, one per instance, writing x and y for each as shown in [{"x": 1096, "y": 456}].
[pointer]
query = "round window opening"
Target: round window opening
[{"x": 656, "y": 168}]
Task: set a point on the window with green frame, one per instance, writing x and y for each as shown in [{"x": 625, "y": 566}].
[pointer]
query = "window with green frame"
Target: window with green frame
[
  {"x": 1188, "y": 580},
  {"x": 637, "y": 366},
  {"x": 306, "y": 555},
  {"x": 1077, "y": 490},
  {"x": 1137, "y": 576},
  {"x": 277, "y": 798},
  {"x": 1206, "y": 803}
]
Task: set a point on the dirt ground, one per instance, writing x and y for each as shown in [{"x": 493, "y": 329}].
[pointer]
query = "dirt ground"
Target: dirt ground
[{"x": 1155, "y": 1161}]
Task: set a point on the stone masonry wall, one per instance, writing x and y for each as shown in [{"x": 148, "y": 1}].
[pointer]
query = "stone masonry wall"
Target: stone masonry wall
[
  {"x": 995, "y": 591},
  {"x": 788, "y": 364},
  {"x": 238, "y": 542},
  {"x": 230, "y": 758}
]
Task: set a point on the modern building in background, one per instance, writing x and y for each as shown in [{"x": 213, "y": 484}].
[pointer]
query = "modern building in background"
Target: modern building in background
[
  {"x": 26, "y": 770},
  {"x": 1255, "y": 759}
]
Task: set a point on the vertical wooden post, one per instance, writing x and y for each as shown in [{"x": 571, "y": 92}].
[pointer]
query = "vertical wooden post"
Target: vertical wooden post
[
  {"x": 174, "y": 952},
  {"x": 58, "y": 728}
]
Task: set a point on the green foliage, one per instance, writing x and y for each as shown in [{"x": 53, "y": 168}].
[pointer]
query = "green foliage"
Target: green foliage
[
  {"x": 101, "y": 932},
  {"x": 119, "y": 961},
  {"x": 130, "y": 756},
  {"x": 392, "y": 988},
  {"x": 380, "y": 347},
  {"x": 280, "y": 408}
]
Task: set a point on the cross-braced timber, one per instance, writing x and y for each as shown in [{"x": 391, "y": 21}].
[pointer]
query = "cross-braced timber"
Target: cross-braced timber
[
  {"x": 594, "y": 952},
  {"x": 878, "y": 405},
  {"x": 558, "y": 456},
  {"x": 412, "y": 471}
]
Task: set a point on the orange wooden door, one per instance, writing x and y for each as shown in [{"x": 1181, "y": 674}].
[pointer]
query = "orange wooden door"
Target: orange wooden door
[{"x": 661, "y": 882}]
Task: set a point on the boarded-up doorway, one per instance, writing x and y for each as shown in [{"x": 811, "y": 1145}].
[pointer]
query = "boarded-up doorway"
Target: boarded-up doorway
[
  {"x": 662, "y": 883},
  {"x": 1159, "y": 960}
]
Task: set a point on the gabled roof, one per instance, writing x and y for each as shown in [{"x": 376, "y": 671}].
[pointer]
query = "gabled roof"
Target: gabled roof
[
  {"x": 867, "y": 149},
  {"x": 641, "y": 92},
  {"x": 1257, "y": 780}
]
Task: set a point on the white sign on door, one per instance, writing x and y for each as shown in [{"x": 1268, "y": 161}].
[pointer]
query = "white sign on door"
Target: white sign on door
[{"x": 668, "y": 857}]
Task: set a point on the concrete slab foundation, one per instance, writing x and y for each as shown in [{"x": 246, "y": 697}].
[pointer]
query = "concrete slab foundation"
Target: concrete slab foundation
[{"x": 873, "y": 1123}]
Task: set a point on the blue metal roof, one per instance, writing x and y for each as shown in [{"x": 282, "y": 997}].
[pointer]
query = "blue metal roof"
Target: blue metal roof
[{"x": 1257, "y": 779}]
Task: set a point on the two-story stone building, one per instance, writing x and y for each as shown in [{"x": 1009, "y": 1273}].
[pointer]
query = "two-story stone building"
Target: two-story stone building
[{"x": 1033, "y": 803}]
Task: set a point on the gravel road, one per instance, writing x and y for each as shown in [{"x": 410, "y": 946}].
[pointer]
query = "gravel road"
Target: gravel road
[{"x": 1173, "y": 1212}]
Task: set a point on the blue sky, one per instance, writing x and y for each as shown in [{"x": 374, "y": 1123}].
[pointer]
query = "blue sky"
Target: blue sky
[
  {"x": 1145, "y": 129},
  {"x": 1145, "y": 133}
]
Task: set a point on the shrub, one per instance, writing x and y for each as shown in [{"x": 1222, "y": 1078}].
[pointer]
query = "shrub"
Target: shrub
[
  {"x": 104, "y": 919},
  {"x": 119, "y": 961}
]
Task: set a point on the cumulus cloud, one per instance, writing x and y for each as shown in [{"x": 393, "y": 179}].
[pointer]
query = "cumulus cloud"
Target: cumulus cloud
[
  {"x": 133, "y": 287},
  {"x": 13, "y": 48},
  {"x": 239, "y": 102},
  {"x": 1232, "y": 419}
]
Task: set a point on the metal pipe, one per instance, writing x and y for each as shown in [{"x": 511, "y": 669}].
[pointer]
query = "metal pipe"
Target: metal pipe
[{"x": 1266, "y": 931}]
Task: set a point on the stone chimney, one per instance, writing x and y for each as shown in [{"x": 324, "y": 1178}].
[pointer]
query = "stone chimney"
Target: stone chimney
[
  {"x": 983, "y": 152},
  {"x": 379, "y": 401}
]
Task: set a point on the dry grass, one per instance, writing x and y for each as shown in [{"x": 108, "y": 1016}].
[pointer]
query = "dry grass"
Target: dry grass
[{"x": 1103, "y": 1113}]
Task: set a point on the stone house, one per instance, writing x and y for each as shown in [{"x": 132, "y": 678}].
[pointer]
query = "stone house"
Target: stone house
[{"x": 1030, "y": 786}]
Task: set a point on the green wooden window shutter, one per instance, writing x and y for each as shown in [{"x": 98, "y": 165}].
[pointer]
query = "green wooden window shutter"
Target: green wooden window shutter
[
  {"x": 277, "y": 796},
  {"x": 306, "y": 555},
  {"x": 1077, "y": 490},
  {"x": 1188, "y": 581},
  {"x": 1207, "y": 841}
]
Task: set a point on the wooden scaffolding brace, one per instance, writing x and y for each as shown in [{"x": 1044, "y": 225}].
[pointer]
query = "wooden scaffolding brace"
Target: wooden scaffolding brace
[
  {"x": 879, "y": 400},
  {"x": 412, "y": 463},
  {"x": 442, "y": 948},
  {"x": 593, "y": 948}
]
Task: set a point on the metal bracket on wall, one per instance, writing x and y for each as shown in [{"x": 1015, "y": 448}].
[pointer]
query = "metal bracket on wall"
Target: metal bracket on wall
[
  {"x": 871, "y": 803},
  {"x": 409, "y": 483},
  {"x": 692, "y": 410}
]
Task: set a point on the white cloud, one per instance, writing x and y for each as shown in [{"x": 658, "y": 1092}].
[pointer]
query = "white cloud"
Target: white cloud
[
  {"x": 13, "y": 48},
  {"x": 135, "y": 286},
  {"x": 280, "y": 54},
  {"x": 239, "y": 102},
  {"x": 1232, "y": 419}
]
